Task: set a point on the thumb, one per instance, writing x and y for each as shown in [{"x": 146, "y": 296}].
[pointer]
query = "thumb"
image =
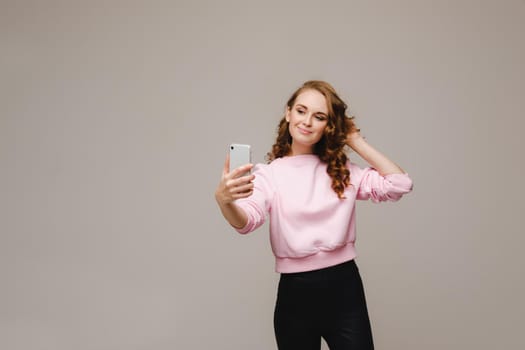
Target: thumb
[{"x": 226, "y": 168}]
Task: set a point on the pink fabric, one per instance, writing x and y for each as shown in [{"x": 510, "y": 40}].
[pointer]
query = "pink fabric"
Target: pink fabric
[{"x": 310, "y": 227}]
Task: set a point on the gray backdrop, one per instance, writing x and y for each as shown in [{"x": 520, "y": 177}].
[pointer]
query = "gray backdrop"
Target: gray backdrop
[{"x": 115, "y": 121}]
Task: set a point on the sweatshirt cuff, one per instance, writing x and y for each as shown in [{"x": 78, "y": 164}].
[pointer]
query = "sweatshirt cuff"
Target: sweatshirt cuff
[
  {"x": 243, "y": 230},
  {"x": 400, "y": 181}
]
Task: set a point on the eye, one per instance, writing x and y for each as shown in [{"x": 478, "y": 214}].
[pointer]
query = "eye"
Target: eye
[
  {"x": 320, "y": 117},
  {"x": 300, "y": 111}
]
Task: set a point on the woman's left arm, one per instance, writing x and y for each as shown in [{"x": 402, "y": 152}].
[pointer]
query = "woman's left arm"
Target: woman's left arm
[{"x": 372, "y": 156}]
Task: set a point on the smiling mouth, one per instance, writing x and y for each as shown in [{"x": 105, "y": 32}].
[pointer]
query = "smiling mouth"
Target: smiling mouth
[{"x": 303, "y": 131}]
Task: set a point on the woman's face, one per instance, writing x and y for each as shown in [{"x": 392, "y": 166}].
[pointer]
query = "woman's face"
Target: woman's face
[{"x": 307, "y": 120}]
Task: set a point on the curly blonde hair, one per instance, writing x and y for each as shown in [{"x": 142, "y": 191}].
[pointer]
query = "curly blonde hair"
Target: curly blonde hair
[{"x": 330, "y": 148}]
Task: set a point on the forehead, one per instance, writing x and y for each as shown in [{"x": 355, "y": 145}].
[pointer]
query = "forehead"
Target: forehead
[{"x": 313, "y": 100}]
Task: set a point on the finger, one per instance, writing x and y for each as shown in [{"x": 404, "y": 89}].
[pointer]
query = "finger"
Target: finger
[
  {"x": 241, "y": 170},
  {"x": 242, "y": 195},
  {"x": 239, "y": 181},
  {"x": 240, "y": 186},
  {"x": 243, "y": 188},
  {"x": 226, "y": 167}
]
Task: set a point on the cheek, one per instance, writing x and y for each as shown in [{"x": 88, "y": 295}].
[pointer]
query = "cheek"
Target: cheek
[
  {"x": 321, "y": 127},
  {"x": 290, "y": 127},
  {"x": 295, "y": 117}
]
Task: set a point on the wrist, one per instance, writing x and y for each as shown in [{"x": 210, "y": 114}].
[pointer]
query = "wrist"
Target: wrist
[{"x": 355, "y": 141}]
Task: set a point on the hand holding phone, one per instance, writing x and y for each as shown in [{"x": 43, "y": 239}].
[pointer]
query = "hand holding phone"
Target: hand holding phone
[{"x": 234, "y": 186}]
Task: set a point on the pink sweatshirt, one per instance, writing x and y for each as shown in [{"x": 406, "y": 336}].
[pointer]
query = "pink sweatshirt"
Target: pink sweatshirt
[{"x": 310, "y": 227}]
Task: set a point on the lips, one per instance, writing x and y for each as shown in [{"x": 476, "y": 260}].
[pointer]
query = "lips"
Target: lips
[{"x": 303, "y": 131}]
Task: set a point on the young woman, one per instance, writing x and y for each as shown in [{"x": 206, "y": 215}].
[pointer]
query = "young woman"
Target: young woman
[{"x": 309, "y": 189}]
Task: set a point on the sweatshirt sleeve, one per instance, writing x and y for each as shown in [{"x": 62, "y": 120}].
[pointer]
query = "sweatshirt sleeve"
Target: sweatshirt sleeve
[
  {"x": 257, "y": 206},
  {"x": 380, "y": 188}
]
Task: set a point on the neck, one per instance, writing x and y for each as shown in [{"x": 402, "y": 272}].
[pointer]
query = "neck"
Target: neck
[{"x": 296, "y": 150}]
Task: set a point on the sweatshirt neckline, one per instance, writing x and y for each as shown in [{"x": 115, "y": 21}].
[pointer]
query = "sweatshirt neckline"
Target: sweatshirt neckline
[
  {"x": 308, "y": 155},
  {"x": 301, "y": 158}
]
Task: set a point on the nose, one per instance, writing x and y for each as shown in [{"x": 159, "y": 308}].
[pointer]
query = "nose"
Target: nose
[{"x": 307, "y": 119}]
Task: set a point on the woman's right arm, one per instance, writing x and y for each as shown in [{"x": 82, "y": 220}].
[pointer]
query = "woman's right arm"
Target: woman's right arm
[{"x": 231, "y": 187}]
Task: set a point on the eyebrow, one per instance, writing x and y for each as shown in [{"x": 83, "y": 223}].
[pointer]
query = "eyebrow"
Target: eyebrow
[{"x": 301, "y": 105}]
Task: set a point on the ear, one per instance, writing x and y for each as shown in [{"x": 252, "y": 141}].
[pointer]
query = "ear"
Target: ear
[{"x": 287, "y": 114}]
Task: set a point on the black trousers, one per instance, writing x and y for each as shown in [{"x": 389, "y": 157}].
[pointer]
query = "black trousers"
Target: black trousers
[{"x": 328, "y": 303}]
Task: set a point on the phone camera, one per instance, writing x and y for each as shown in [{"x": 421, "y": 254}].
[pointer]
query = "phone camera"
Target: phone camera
[{"x": 231, "y": 147}]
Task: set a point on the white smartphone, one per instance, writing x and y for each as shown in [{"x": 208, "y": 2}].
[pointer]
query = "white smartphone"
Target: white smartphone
[{"x": 240, "y": 155}]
